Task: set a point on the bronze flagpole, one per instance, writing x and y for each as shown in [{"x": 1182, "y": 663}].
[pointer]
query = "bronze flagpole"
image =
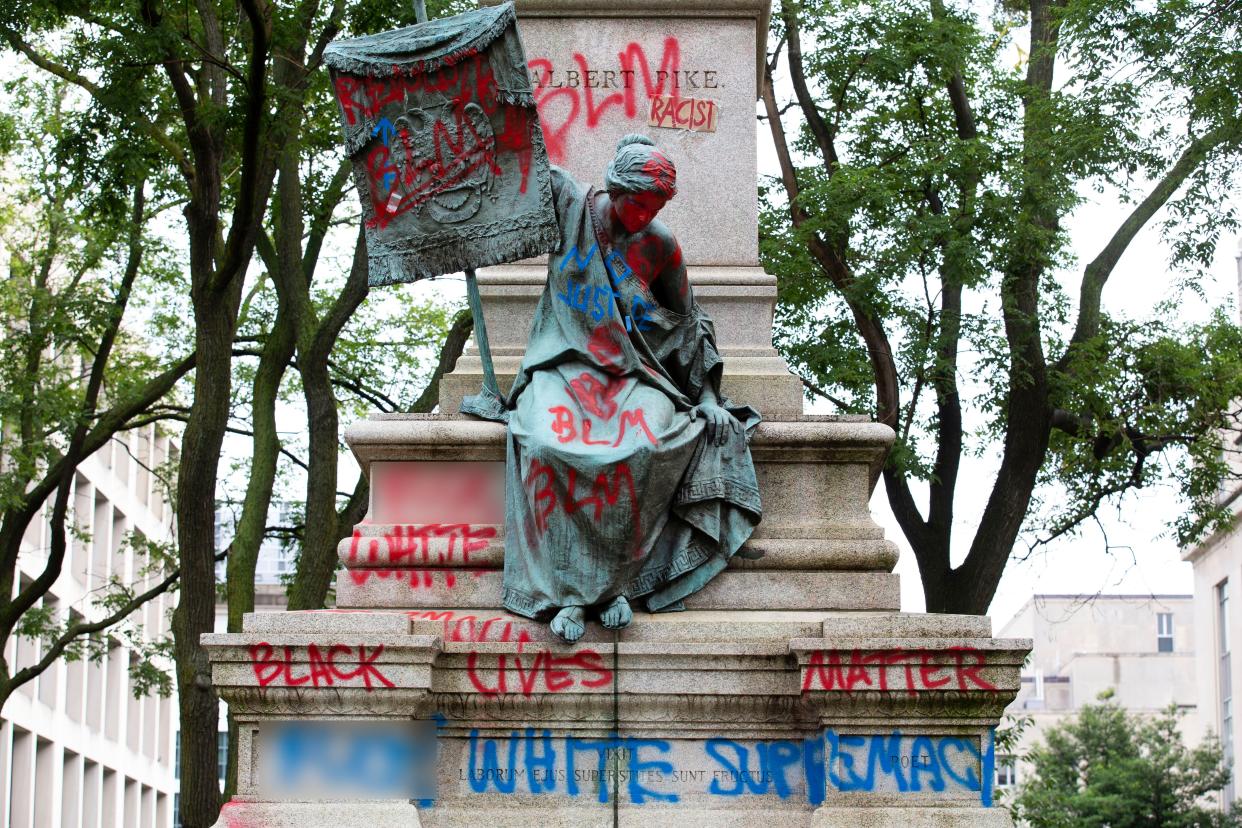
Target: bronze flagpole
[{"x": 490, "y": 388}]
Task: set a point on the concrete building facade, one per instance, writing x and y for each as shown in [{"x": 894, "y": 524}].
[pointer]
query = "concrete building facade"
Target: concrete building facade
[
  {"x": 1140, "y": 647},
  {"x": 76, "y": 747},
  {"x": 1217, "y": 566}
]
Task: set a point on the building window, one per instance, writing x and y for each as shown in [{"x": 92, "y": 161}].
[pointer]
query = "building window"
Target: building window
[
  {"x": 222, "y": 755},
  {"x": 1164, "y": 632},
  {"x": 1006, "y": 772},
  {"x": 1225, "y": 680}
]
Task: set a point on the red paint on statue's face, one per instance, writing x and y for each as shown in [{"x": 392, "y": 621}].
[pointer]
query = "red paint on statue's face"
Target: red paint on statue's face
[{"x": 636, "y": 210}]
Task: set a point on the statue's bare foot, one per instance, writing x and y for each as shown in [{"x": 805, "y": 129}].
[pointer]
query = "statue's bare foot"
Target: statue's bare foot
[
  {"x": 569, "y": 624},
  {"x": 617, "y": 615}
]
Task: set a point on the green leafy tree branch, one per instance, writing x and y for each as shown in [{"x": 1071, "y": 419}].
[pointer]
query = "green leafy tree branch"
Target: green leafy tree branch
[{"x": 932, "y": 160}]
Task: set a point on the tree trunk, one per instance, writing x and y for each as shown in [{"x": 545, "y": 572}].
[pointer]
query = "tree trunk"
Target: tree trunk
[
  {"x": 319, "y": 557},
  {"x": 215, "y": 317},
  {"x": 252, "y": 525}
]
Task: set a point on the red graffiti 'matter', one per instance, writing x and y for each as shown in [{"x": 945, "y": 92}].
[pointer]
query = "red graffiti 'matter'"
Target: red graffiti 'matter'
[{"x": 828, "y": 670}]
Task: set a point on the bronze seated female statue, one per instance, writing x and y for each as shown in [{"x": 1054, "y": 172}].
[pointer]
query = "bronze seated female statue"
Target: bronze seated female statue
[{"x": 628, "y": 474}]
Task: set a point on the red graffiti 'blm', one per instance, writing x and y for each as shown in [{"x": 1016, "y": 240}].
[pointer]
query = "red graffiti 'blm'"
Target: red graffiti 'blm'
[{"x": 632, "y": 60}]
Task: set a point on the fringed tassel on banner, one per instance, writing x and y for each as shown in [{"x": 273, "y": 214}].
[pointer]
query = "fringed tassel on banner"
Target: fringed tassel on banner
[
  {"x": 339, "y": 56},
  {"x": 457, "y": 255}
]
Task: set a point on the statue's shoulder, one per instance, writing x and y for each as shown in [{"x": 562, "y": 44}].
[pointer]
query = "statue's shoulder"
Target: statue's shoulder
[
  {"x": 565, "y": 185},
  {"x": 660, "y": 230}
]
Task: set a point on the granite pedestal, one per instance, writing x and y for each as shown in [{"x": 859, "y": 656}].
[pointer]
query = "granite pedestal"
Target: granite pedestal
[{"x": 791, "y": 691}]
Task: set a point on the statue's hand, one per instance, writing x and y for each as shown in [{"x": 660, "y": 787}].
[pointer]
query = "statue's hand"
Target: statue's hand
[{"x": 718, "y": 421}]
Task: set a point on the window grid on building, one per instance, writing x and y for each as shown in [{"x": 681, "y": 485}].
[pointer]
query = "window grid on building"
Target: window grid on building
[
  {"x": 77, "y": 749},
  {"x": 1006, "y": 772},
  {"x": 1225, "y": 680},
  {"x": 1164, "y": 632}
]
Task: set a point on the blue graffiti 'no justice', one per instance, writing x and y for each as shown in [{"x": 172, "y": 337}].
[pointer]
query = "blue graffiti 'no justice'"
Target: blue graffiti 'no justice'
[{"x": 598, "y": 301}]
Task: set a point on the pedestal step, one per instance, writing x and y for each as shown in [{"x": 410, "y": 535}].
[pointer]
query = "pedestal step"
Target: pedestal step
[
  {"x": 732, "y": 589},
  {"x": 698, "y": 718}
]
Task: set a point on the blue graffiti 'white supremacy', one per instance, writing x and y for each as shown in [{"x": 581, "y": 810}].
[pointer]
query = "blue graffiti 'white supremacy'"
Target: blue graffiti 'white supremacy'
[
  {"x": 533, "y": 762},
  {"x": 374, "y": 761}
]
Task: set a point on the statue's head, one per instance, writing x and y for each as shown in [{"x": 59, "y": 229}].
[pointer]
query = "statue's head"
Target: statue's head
[{"x": 640, "y": 181}]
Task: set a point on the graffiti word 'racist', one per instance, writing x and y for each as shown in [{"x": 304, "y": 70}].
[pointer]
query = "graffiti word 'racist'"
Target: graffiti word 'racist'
[{"x": 694, "y": 114}]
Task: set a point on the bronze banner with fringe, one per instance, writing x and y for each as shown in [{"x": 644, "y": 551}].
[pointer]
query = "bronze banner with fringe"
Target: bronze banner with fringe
[{"x": 440, "y": 123}]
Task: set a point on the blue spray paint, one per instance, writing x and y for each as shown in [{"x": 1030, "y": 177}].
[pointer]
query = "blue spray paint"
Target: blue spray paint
[
  {"x": 638, "y": 792},
  {"x": 882, "y": 754},
  {"x": 572, "y": 746},
  {"x": 598, "y": 302},
  {"x": 923, "y": 759},
  {"x": 505, "y": 779},
  {"x": 385, "y": 130},
  {"x": 580, "y": 262},
  {"x": 539, "y": 765},
  {"x": 845, "y": 762},
  {"x": 989, "y": 769},
  {"x": 544, "y": 759}
]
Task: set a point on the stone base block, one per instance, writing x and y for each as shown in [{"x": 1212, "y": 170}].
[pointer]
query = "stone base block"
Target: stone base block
[
  {"x": 732, "y": 589},
  {"x": 761, "y": 381},
  {"x": 243, "y": 813},
  {"x": 628, "y": 817},
  {"x": 896, "y": 817},
  {"x": 378, "y": 545},
  {"x": 708, "y": 718},
  {"x": 433, "y": 535}
]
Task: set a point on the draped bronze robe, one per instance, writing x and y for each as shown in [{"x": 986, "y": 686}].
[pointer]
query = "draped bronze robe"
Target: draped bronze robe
[{"x": 611, "y": 487}]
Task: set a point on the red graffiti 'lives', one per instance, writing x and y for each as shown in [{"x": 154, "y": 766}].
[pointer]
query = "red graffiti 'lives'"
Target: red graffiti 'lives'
[{"x": 540, "y": 671}]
